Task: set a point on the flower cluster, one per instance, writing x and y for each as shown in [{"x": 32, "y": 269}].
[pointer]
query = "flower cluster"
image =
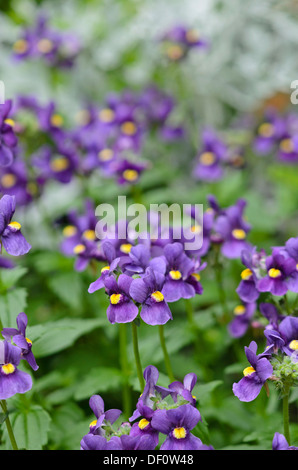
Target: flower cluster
[
  {"x": 277, "y": 134},
  {"x": 178, "y": 41},
  {"x": 15, "y": 347},
  {"x": 163, "y": 418},
  {"x": 42, "y": 42}
]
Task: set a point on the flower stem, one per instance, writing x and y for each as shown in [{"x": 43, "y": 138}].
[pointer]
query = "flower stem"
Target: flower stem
[
  {"x": 286, "y": 415},
  {"x": 125, "y": 369},
  {"x": 189, "y": 312},
  {"x": 9, "y": 427},
  {"x": 137, "y": 355},
  {"x": 165, "y": 353}
]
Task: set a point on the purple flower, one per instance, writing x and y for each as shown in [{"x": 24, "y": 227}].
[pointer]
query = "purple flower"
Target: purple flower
[
  {"x": 247, "y": 288},
  {"x": 14, "y": 181},
  {"x": 137, "y": 442},
  {"x": 109, "y": 254},
  {"x": 122, "y": 309},
  {"x": 233, "y": 230},
  {"x": 182, "y": 279},
  {"x": 269, "y": 132},
  {"x": 20, "y": 339},
  {"x": 209, "y": 164},
  {"x": 8, "y": 139},
  {"x": 243, "y": 314},
  {"x": 291, "y": 250},
  {"x": 278, "y": 269},
  {"x": 127, "y": 172},
  {"x": 58, "y": 163},
  {"x": 10, "y": 231},
  {"x": 12, "y": 380},
  {"x": 147, "y": 291},
  {"x": 280, "y": 443},
  {"x": 179, "y": 40},
  {"x": 96, "y": 404},
  {"x": 176, "y": 424},
  {"x": 185, "y": 389},
  {"x": 255, "y": 376},
  {"x": 285, "y": 336},
  {"x": 95, "y": 442}
]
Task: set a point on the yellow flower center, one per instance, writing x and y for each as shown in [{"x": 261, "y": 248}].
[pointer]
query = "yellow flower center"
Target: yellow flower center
[
  {"x": 69, "y": 230},
  {"x": 266, "y": 129},
  {"x": 104, "y": 269},
  {"x": 239, "y": 310},
  {"x": 8, "y": 180},
  {"x": 174, "y": 51},
  {"x": 175, "y": 275},
  {"x": 8, "y": 368},
  {"x": 93, "y": 423},
  {"x": 192, "y": 35},
  {"x": 294, "y": 344},
  {"x": 57, "y": 120},
  {"x": 248, "y": 371},
  {"x": 115, "y": 299},
  {"x": 130, "y": 175},
  {"x": 15, "y": 225},
  {"x": 157, "y": 296},
  {"x": 29, "y": 341},
  {"x": 10, "y": 122},
  {"x": 274, "y": 273},
  {"x": 20, "y": 46},
  {"x": 89, "y": 234},
  {"x": 45, "y": 45},
  {"x": 196, "y": 276},
  {"x": 246, "y": 274},
  {"x": 238, "y": 233},
  {"x": 143, "y": 423},
  {"x": 105, "y": 154},
  {"x": 286, "y": 145},
  {"x": 59, "y": 164},
  {"x": 207, "y": 158},
  {"x": 129, "y": 128},
  {"x": 179, "y": 433},
  {"x": 80, "y": 248},
  {"x": 196, "y": 228},
  {"x": 106, "y": 115},
  {"x": 125, "y": 248}
]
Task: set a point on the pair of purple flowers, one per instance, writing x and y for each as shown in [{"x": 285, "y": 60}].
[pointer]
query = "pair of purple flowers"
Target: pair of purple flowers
[
  {"x": 277, "y": 134},
  {"x": 168, "y": 412},
  {"x": 15, "y": 347},
  {"x": 178, "y": 41},
  {"x": 160, "y": 279},
  {"x": 41, "y": 41}
]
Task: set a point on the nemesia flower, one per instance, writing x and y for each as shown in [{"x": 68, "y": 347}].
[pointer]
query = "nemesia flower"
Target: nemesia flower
[
  {"x": 96, "y": 404},
  {"x": 280, "y": 443},
  {"x": 279, "y": 268},
  {"x": 255, "y": 376},
  {"x": 210, "y": 159},
  {"x": 145, "y": 442},
  {"x": 109, "y": 254},
  {"x": 233, "y": 229},
  {"x": 185, "y": 389},
  {"x": 8, "y": 139},
  {"x": 12, "y": 238},
  {"x": 269, "y": 132},
  {"x": 179, "y": 40},
  {"x": 127, "y": 172},
  {"x": 59, "y": 164},
  {"x": 176, "y": 424},
  {"x": 96, "y": 442},
  {"x": 14, "y": 181},
  {"x": 247, "y": 288},
  {"x": 285, "y": 336},
  {"x": 121, "y": 308},
  {"x": 19, "y": 338},
  {"x": 243, "y": 314},
  {"x": 146, "y": 291},
  {"x": 182, "y": 279},
  {"x": 12, "y": 380}
]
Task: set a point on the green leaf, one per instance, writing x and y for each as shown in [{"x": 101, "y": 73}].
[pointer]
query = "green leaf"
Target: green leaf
[
  {"x": 56, "y": 336},
  {"x": 98, "y": 380},
  {"x": 11, "y": 304},
  {"x": 68, "y": 287},
  {"x": 9, "y": 277},
  {"x": 31, "y": 428}
]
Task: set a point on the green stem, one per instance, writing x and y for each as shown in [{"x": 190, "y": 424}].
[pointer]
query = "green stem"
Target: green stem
[
  {"x": 125, "y": 370},
  {"x": 285, "y": 404},
  {"x": 137, "y": 355},
  {"x": 165, "y": 353},
  {"x": 9, "y": 427},
  {"x": 189, "y": 312},
  {"x": 221, "y": 290}
]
